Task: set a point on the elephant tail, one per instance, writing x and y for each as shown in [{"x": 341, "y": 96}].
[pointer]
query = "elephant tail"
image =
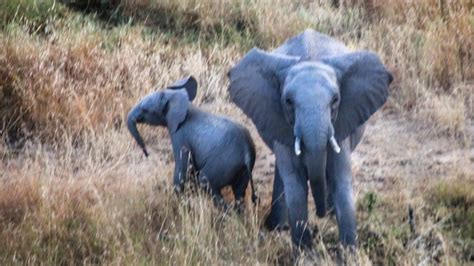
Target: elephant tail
[{"x": 254, "y": 195}]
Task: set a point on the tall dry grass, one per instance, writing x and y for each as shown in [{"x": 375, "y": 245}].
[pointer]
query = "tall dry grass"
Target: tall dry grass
[
  {"x": 74, "y": 188},
  {"x": 427, "y": 45}
]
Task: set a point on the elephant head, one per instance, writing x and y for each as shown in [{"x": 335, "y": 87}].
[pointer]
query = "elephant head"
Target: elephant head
[
  {"x": 309, "y": 105},
  {"x": 162, "y": 108}
]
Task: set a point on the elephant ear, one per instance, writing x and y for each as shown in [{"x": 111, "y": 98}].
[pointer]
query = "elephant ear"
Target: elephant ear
[
  {"x": 255, "y": 88},
  {"x": 189, "y": 83},
  {"x": 364, "y": 83},
  {"x": 176, "y": 108}
]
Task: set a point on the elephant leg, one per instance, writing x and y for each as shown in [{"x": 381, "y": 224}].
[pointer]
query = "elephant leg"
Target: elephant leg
[
  {"x": 218, "y": 200},
  {"x": 239, "y": 187},
  {"x": 296, "y": 196},
  {"x": 278, "y": 217},
  {"x": 215, "y": 193},
  {"x": 182, "y": 163},
  {"x": 355, "y": 138},
  {"x": 339, "y": 168}
]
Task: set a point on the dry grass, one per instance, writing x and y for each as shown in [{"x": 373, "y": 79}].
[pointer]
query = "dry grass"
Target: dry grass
[{"x": 75, "y": 189}]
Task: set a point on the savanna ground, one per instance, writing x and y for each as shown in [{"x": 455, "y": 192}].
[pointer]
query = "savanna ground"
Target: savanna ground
[{"x": 75, "y": 189}]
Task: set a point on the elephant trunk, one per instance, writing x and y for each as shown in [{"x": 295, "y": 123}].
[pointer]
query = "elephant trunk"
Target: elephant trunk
[
  {"x": 313, "y": 136},
  {"x": 132, "y": 120},
  {"x": 316, "y": 168}
]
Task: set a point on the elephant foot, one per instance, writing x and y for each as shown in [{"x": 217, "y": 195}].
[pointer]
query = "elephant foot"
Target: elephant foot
[{"x": 274, "y": 224}]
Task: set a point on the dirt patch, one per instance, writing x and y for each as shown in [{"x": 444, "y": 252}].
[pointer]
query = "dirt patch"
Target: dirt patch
[{"x": 394, "y": 152}]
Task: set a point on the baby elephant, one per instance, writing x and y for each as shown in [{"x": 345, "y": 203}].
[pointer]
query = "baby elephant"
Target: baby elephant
[{"x": 222, "y": 151}]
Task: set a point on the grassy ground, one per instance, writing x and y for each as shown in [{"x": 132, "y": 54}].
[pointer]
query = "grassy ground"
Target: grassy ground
[{"x": 75, "y": 189}]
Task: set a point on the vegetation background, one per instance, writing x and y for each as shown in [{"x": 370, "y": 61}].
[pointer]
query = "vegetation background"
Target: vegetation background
[{"x": 75, "y": 189}]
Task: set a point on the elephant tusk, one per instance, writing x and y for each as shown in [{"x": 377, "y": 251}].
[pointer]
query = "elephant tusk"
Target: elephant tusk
[
  {"x": 297, "y": 146},
  {"x": 334, "y": 144}
]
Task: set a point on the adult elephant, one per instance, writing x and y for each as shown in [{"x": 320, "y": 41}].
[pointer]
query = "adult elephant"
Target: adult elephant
[{"x": 309, "y": 94}]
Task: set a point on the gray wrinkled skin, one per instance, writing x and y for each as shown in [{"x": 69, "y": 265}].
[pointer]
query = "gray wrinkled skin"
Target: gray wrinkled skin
[
  {"x": 222, "y": 151},
  {"x": 300, "y": 95}
]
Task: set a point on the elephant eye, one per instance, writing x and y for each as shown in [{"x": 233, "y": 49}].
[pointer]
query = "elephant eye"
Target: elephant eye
[
  {"x": 334, "y": 102},
  {"x": 288, "y": 102},
  {"x": 145, "y": 111}
]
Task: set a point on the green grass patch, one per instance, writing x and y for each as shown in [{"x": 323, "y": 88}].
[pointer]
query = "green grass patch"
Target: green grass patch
[
  {"x": 33, "y": 13},
  {"x": 454, "y": 202}
]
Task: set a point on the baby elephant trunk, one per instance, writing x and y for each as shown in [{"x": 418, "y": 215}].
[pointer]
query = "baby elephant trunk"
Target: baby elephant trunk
[
  {"x": 132, "y": 120},
  {"x": 316, "y": 167},
  {"x": 312, "y": 137}
]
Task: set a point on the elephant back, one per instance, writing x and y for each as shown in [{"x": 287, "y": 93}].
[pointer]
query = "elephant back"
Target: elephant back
[{"x": 312, "y": 46}]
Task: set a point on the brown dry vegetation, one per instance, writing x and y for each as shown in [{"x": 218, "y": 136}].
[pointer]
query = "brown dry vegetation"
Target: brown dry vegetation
[{"x": 75, "y": 189}]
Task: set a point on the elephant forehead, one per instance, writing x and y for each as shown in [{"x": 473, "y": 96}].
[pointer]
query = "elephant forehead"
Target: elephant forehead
[
  {"x": 312, "y": 71},
  {"x": 312, "y": 75},
  {"x": 150, "y": 99}
]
